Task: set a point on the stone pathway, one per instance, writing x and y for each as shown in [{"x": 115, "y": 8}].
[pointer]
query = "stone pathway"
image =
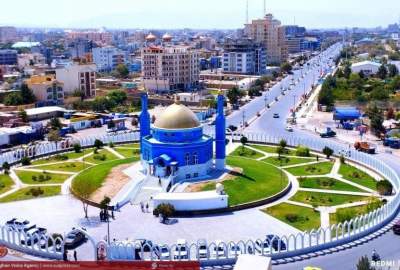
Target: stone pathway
[{"x": 111, "y": 150}]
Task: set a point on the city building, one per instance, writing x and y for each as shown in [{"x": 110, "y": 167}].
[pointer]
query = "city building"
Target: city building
[
  {"x": 8, "y": 57},
  {"x": 271, "y": 33},
  {"x": 99, "y": 37},
  {"x": 8, "y": 34},
  {"x": 30, "y": 59},
  {"x": 367, "y": 67},
  {"x": 293, "y": 44},
  {"x": 79, "y": 48},
  {"x": 78, "y": 76},
  {"x": 171, "y": 68},
  {"x": 46, "y": 89},
  {"x": 244, "y": 56},
  {"x": 175, "y": 146},
  {"x": 108, "y": 58}
]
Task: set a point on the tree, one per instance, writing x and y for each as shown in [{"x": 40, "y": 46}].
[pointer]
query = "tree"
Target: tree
[
  {"x": 105, "y": 202},
  {"x": 382, "y": 72},
  {"x": 55, "y": 123},
  {"x": 234, "y": 94},
  {"x": 361, "y": 74},
  {"x": 243, "y": 141},
  {"x": 393, "y": 70},
  {"x": 6, "y": 167},
  {"x": 77, "y": 148},
  {"x": 280, "y": 151},
  {"x": 283, "y": 143},
  {"x": 98, "y": 144},
  {"x": 390, "y": 113},
  {"x": 376, "y": 118},
  {"x": 286, "y": 67},
  {"x": 27, "y": 94},
  {"x": 118, "y": 97},
  {"x": 13, "y": 99},
  {"x": 25, "y": 161},
  {"x": 347, "y": 71},
  {"x": 384, "y": 187},
  {"x": 23, "y": 115},
  {"x": 328, "y": 152},
  {"x": 364, "y": 264},
  {"x": 122, "y": 71},
  {"x": 54, "y": 136}
]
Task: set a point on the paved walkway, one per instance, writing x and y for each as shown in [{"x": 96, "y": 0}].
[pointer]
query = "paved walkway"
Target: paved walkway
[{"x": 111, "y": 150}]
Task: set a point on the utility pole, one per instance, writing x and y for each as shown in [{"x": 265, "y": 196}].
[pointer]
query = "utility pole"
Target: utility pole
[
  {"x": 247, "y": 11},
  {"x": 265, "y": 101},
  {"x": 243, "y": 118},
  {"x": 265, "y": 8}
]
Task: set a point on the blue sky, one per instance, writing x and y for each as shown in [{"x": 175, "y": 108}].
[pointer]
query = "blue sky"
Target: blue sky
[{"x": 195, "y": 14}]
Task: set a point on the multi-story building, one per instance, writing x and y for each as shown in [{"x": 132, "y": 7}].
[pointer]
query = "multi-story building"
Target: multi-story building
[
  {"x": 171, "y": 68},
  {"x": 100, "y": 37},
  {"x": 108, "y": 58},
  {"x": 8, "y": 57},
  {"x": 46, "y": 89},
  {"x": 79, "y": 48},
  {"x": 8, "y": 34},
  {"x": 77, "y": 76},
  {"x": 271, "y": 33},
  {"x": 293, "y": 44},
  {"x": 244, "y": 56}
]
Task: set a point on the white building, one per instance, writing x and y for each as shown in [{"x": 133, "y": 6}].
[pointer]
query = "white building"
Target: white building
[
  {"x": 367, "y": 67},
  {"x": 78, "y": 77},
  {"x": 170, "y": 68},
  {"x": 108, "y": 58}
]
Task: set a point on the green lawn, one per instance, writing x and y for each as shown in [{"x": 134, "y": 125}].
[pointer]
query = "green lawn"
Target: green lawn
[
  {"x": 287, "y": 160},
  {"x": 76, "y": 166},
  {"x": 32, "y": 193},
  {"x": 270, "y": 149},
  {"x": 246, "y": 152},
  {"x": 129, "y": 145},
  {"x": 6, "y": 183},
  {"x": 343, "y": 214},
  {"x": 127, "y": 152},
  {"x": 314, "y": 169},
  {"x": 302, "y": 218},
  {"x": 326, "y": 183},
  {"x": 258, "y": 181},
  {"x": 325, "y": 199},
  {"x": 28, "y": 177},
  {"x": 102, "y": 156},
  {"x": 62, "y": 157},
  {"x": 92, "y": 178},
  {"x": 357, "y": 176}
]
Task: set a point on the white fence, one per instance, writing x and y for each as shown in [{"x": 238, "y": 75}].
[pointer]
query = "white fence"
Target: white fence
[{"x": 284, "y": 246}]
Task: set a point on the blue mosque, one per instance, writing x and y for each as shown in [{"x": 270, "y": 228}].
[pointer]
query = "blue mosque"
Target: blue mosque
[{"x": 175, "y": 147}]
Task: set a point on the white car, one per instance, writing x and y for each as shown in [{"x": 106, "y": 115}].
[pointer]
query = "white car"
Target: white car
[
  {"x": 181, "y": 251},
  {"x": 165, "y": 255},
  {"x": 234, "y": 251},
  {"x": 202, "y": 249},
  {"x": 289, "y": 128}
]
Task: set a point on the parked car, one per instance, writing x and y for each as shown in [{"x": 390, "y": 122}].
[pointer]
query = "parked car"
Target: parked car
[
  {"x": 289, "y": 128},
  {"x": 262, "y": 247},
  {"x": 74, "y": 239},
  {"x": 276, "y": 115},
  {"x": 232, "y": 128},
  {"x": 181, "y": 250},
  {"x": 33, "y": 236},
  {"x": 234, "y": 251},
  {"x": 144, "y": 244},
  {"x": 219, "y": 249},
  {"x": 19, "y": 225},
  {"x": 328, "y": 133},
  {"x": 202, "y": 249},
  {"x": 396, "y": 228},
  {"x": 276, "y": 241},
  {"x": 164, "y": 253}
]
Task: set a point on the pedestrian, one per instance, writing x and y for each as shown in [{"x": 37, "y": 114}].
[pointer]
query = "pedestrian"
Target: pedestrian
[
  {"x": 75, "y": 255},
  {"x": 142, "y": 206},
  {"x": 147, "y": 207},
  {"x": 65, "y": 256},
  {"x": 317, "y": 158},
  {"x": 112, "y": 214},
  {"x": 159, "y": 180}
]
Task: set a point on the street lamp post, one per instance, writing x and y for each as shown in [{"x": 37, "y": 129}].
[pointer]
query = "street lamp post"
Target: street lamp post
[
  {"x": 243, "y": 118},
  {"x": 265, "y": 101}
]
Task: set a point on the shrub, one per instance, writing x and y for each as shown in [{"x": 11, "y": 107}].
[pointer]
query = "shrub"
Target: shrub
[
  {"x": 41, "y": 178},
  {"x": 342, "y": 159},
  {"x": 136, "y": 152},
  {"x": 6, "y": 167},
  {"x": 25, "y": 161},
  {"x": 77, "y": 148},
  {"x": 100, "y": 157},
  {"x": 328, "y": 152},
  {"x": 292, "y": 218},
  {"x": 34, "y": 177},
  {"x": 36, "y": 192},
  {"x": 2, "y": 185},
  {"x": 98, "y": 144},
  {"x": 61, "y": 157},
  {"x": 165, "y": 209},
  {"x": 345, "y": 214},
  {"x": 302, "y": 151},
  {"x": 111, "y": 144},
  {"x": 384, "y": 187}
]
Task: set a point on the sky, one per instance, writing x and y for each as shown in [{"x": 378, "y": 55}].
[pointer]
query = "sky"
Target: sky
[{"x": 201, "y": 14}]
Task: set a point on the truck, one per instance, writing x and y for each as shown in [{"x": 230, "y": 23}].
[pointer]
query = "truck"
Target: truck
[
  {"x": 328, "y": 133},
  {"x": 365, "y": 147}
]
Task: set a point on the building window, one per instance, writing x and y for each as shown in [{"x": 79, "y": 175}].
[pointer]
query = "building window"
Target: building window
[
  {"x": 188, "y": 176},
  {"x": 187, "y": 159},
  {"x": 49, "y": 90},
  {"x": 195, "y": 158},
  {"x": 195, "y": 175}
]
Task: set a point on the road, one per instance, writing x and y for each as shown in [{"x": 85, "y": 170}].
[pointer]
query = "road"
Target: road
[{"x": 268, "y": 125}]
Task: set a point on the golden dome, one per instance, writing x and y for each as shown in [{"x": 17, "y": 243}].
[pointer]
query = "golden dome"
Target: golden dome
[
  {"x": 177, "y": 116},
  {"x": 151, "y": 37},
  {"x": 167, "y": 37}
]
